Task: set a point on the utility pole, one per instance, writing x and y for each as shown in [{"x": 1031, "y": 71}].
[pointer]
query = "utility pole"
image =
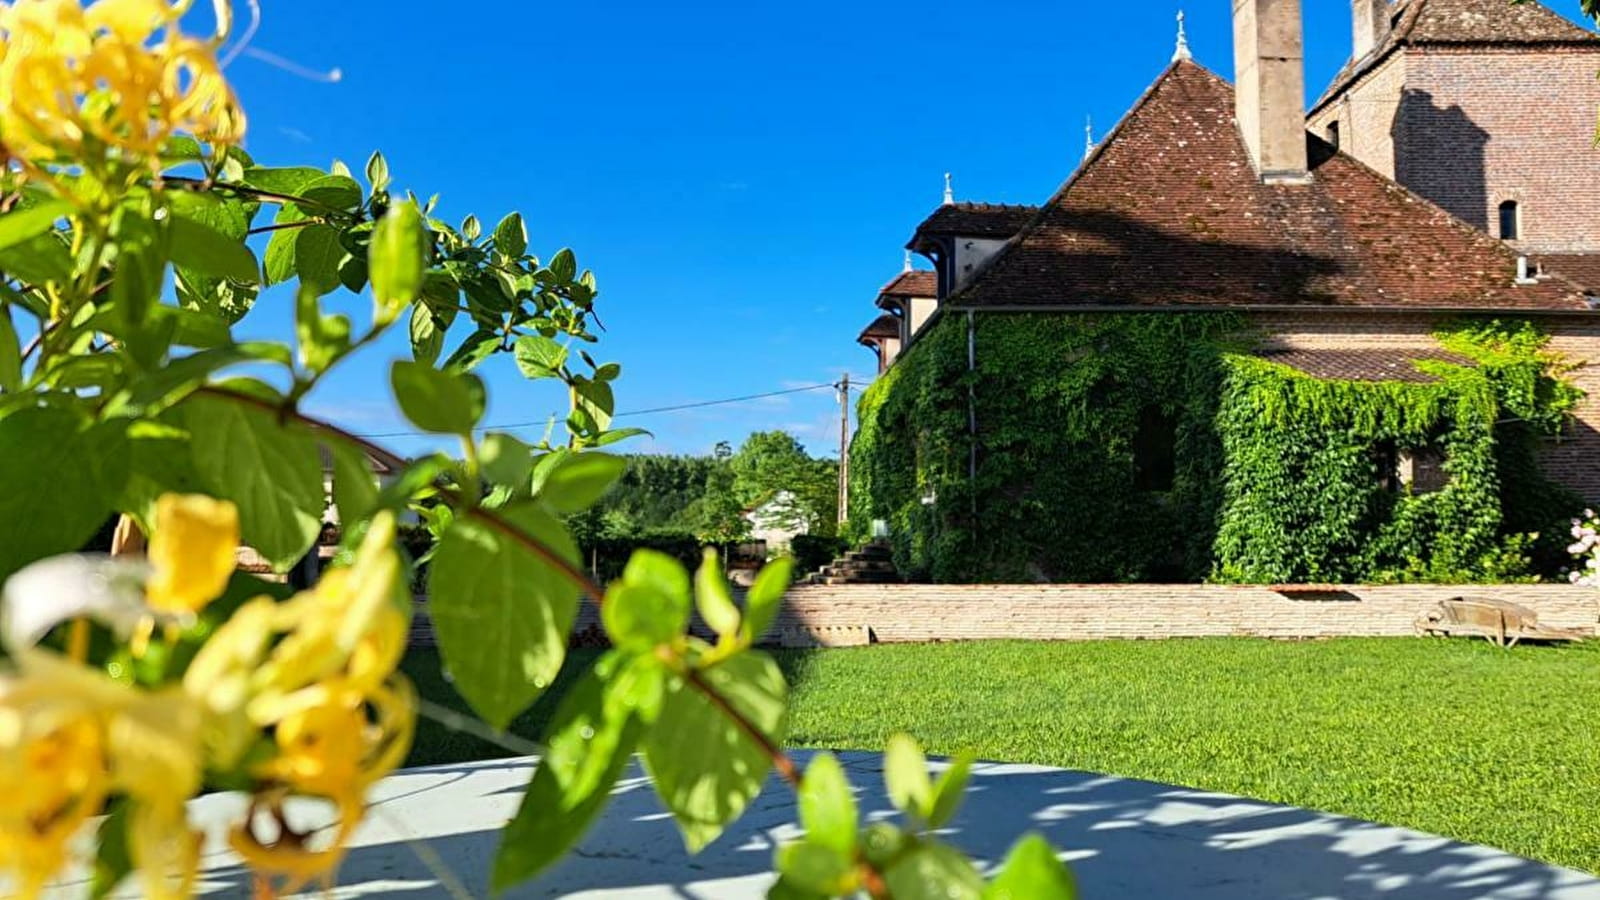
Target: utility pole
[{"x": 844, "y": 448}]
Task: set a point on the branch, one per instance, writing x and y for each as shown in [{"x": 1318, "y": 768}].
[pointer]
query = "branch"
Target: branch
[
  {"x": 283, "y": 226},
  {"x": 546, "y": 553},
  {"x": 201, "y": 184}
]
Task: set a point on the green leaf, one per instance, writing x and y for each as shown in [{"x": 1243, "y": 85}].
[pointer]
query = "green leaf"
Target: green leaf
[
  {"x": 905, "y": 774},
  {"x": 60, "y": 478},
  {"x": 505, "y": 459},
  {"x": 712, "y": 596},
  {"x": 479, "y": 346},
  {"x": 112, "y": 861},
  {"x": 427, "y": 338},
  {"x": 588, "y": 743},
  {"x": 576, "y": 481},
  {"x": 765, "y": 597},
  {"x": 539, "y": 356},
  {"x": 10, "y": 353},
  {"x": 948, "y": 791},
  {"x": 618, "y": 435},
  {"x": 827, "y": 805},
  {"x": 511, "y": 236},
  {"x": 787, "y": 889},
  {"x": 377, "y": 172},
  {"x": 281, "y": 180},
  {"x": 649, "y": 605},
  {"x": 596, "y": 399},
  {"x": 1032, "y": 871},
  {"x": 355, "y": 488},
  {"x": 816, "y": 867},
  {"x": 270, "y": 469},
  {"x": 21, "y": 225},
  {"x": 336, "y": 191},
  {"x": 501, "y": 612},
  {"x": 564, "y": 266},
  {"x": 397, "y": 259},
  {"x": 435, "y": 401},
  {"x": 196, "y": 245},
  {"x": 316, "y": 257},
  {"x": 278, "y": 263},
  {"x": 705, "y": 768},
  {"x": 933, "y": 871},
  {"x": 322, "y": 339}
]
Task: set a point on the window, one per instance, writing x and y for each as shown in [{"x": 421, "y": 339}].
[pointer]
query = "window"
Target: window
[
  {"x": 1333, "y": 133},
  {"x": 1155, "y": 446},
  {"x": 1510, "y": 221}
]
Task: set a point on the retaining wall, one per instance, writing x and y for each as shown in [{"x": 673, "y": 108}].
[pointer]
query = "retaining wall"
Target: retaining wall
[{"x": 859, "y": 614}]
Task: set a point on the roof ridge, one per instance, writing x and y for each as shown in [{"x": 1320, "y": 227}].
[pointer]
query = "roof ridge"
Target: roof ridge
[{"x": 1089, "y": 161}]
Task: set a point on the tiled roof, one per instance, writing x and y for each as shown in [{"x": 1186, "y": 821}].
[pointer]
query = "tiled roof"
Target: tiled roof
[
  {"x": 916, "y": 283},
  {"x": 1583, "y": 268},
  {"x": 975, "y": 220},
  {"x": 1498, "y": 22},
  {"x": 1389, "y": 364},
  {"x": 1168, "y": 211},
  {"x": 884, "y": 326}
]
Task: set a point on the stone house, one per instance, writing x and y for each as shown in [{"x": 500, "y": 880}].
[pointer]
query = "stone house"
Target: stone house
[{"x": 1448, "y": 173}]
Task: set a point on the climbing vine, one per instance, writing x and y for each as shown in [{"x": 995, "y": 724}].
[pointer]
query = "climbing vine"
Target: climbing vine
[{"x": 1142, "y": 447}]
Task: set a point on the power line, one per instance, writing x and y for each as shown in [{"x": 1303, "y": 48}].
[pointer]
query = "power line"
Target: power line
[{"x": 513, "y": 426}]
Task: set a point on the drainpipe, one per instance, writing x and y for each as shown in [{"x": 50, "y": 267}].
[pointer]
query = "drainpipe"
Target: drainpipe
[{"x": 972, "y": 413}]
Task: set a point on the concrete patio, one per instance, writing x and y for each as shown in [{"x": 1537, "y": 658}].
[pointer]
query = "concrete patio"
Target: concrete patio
[{"x": 432, "y": 833}]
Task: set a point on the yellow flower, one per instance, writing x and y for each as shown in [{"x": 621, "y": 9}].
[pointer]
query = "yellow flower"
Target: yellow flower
[
  {"x": 118, "y": 76},
  {"x": 69, "y": 737},
  {"x": 193, "y": 551},
  {"x": 317, "y": 673},
  {"x": 53, "y": 774}
]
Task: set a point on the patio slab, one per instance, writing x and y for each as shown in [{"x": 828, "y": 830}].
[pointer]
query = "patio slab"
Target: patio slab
[{"x": 432, "y": 833}]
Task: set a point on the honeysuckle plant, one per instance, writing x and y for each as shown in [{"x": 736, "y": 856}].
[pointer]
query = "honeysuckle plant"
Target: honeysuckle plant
[{"x": 135, "y": 233}]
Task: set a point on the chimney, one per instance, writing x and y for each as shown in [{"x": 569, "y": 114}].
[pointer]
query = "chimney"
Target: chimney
[
  {"x": 1371, "y": 25},
  {"x": 1270, "y": 95}
]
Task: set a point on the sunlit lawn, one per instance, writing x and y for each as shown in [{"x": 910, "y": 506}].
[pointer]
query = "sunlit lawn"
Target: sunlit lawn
[{"x": 1451, "y": 737}]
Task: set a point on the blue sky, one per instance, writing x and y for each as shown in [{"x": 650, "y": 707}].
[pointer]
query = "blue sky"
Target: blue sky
[{"x": 740, "y": 176}]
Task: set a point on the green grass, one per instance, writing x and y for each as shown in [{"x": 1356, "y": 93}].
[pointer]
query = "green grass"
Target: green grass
[{"x": 1451, "y": 737}]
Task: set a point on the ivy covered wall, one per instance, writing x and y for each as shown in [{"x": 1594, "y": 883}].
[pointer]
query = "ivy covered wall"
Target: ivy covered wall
[{"x": 1153, "y": 447}]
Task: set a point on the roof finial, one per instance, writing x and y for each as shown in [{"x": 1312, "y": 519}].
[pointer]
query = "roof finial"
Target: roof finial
[
  {"x": 1088, "y": 136},
  {"x": 949, "y": 193},
  {"x": 908, "y": 262},
  {"x": 1182, "y": 52}
]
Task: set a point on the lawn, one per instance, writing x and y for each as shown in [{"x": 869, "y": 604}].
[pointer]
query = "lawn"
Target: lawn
[{"x": 1451, "y": 737}]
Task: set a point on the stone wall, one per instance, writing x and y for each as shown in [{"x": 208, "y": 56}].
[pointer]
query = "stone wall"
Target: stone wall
[
  {"x": 860, "y": 614},
  {"x": 1472, "y": 127}
]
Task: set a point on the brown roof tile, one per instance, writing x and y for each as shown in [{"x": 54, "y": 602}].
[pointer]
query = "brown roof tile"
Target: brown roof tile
[
  {"x": 977, "y": 220},
  {"x": 1389, "y": 364},
  {"x": 1498, "y": 22},
  {"x": 884, "y": 326},
  {"x": 1583, "y": 268},
  {"x": 1168, "y": 211}
]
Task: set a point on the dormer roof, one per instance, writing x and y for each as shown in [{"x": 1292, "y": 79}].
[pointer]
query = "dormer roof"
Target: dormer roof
[
  {"x": 917, "y": 283},
  {"x": 883, "y": 327},
  {"x": 1168, "y": 212},
  {"x": 996, "y": 221},
  {"x": 1462, "y": 23}
]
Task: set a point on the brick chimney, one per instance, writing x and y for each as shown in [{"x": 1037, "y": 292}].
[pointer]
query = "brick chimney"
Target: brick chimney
[
  {"x": 1371, "y": 25},
  {"x": 1270, "y": 95}
]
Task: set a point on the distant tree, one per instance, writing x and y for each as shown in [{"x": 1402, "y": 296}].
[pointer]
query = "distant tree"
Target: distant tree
[
  {"x": 773, "y": 462},
  {"x": 721, "y": 514}
]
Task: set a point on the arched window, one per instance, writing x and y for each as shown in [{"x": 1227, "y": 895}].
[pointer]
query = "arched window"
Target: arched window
[{"x": 1510, "y": 221}]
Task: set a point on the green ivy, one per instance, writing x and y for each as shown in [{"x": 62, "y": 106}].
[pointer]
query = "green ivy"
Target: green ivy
[{"x": 1274, "y": 477}]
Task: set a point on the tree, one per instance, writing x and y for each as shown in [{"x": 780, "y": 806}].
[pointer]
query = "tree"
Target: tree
[{"x": 770, "y": 463}]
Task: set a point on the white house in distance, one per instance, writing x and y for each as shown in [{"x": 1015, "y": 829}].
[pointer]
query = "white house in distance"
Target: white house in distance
[{"x": 778, "y": 521}]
